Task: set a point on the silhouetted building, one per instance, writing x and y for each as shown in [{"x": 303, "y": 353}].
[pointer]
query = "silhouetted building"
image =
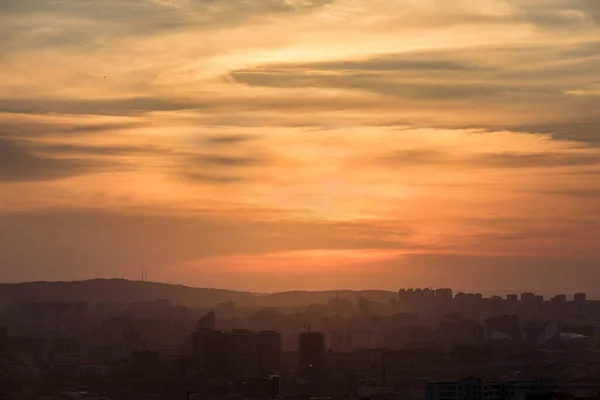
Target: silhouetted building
[
  {"x": 559, "y": 298},
  {"x": 3, "y": 339},
  {"x": 237, "y": 354},
  {"x": 209, "y": 350},
  {"x": 312, "y": 355},
  {"x": 51, "y": 317},
  {"x": 269, "y": 353},
  {"x": 262, "y": 387},
  {"x": 460, "y": 333},
  {"x": 444, "y": 295},
  {"x": 146, "y": 364},
  {"x": 527, "y": 297},
  {"x": 580, "y": 298},
  {"x": 242, "y": 354},
  {"x": 367, "y": 307},
  {"x": 207, "y": 322},
  {"x": 141, "y": 359},
  {"x": 507, "y": 326},
  {"x": 512, "y": 298},
  {"x": 478, "y": 389}
]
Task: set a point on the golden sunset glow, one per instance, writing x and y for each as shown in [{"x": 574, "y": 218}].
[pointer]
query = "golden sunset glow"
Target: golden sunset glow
[{"x": 297, "y": 144}]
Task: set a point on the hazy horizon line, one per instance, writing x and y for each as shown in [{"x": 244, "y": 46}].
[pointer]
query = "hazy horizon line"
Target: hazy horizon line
[{"x": 488, "y": 293}]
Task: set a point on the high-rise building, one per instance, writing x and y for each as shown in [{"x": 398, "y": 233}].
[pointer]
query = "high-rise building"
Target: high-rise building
[
  {"x": 402, "y": 294},
  {"x": 528, "y": 302},
  {"x": 508, "y": 325},
  {"x": 242, "y": 354},
  {"x": 52, "y": 317},
  {"x": 460, "y": 333},
  {"x": 312, "y": 357},
  {"x": 560, "y": 298},
  {"x": 527, "y": 297},
  {"x": 478, "y": 389},
  {"x": 237, "y": 354},
  {"x": 269, "y": 353},
  {"x": 580, "y": 298},
  {"x": 539, "y": 299},
  {"x": 207, "y": 322},
  {"x": 512, "y": 298},
  {"x": 443, "y": 295},
  {"x": 262, "y": 387},
  {"x": 209, "y": 349},
  {"x": 3, "y": 339},
  {"x": 428, "y": 295}
]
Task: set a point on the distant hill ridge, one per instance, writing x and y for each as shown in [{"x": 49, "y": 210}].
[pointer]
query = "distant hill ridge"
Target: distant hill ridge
[{"x": 121, "y": 290}]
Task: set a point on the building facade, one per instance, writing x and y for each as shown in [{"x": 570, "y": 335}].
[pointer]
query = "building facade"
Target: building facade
[
  {"x": 478, "y": 389},
  {"x": 312, "y": 355}
]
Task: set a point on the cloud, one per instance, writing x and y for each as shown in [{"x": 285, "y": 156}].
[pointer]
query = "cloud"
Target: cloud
[
  {"x": 530, "y": 86},
  {"x": 581, "y": 131},
  {"x": 83, "y": 243},
  {"x": 223, "y": 140},
  {"x": 19, "y": 164},
  {"x": 381, "y": 63},
  {"x": 581, "y": 193},
  {"x": 213, "y": 179},
  {"x": 114, "y": 106},
  {"x": 88, "y": 23},
  {"x": 539, "y": 160},
  {"x": 219, "y": 169},
  {"x": 226, "y": 161},
  {"x": 18, "y": 128},
  {"x": 500, "y": 160},
  {"x": 71, "y": 149},
  {"x": 444, "y": 74},
  {"x": 558, "y": 14}
]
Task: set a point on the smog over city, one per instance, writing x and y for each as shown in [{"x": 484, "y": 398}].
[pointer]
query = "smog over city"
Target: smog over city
[{"x": 300, "y": 199}]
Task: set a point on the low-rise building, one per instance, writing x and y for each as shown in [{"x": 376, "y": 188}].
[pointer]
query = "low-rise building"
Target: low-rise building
[{"x": 478, "y": 389}]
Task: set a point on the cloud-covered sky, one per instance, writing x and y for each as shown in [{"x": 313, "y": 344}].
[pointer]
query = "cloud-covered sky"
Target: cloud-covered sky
[{"x": 302, "y": 144}]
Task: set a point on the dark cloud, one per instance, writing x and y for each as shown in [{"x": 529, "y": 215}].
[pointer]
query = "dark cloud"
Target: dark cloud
[
  {"x": 219, "y": 140},
  {"x": 76, "y": 244},
  {"x": 18, "y": 129},
  {"x": 541, "y": 86},
  {"x": 582, "y": 131},
  {"x": 218, "y": 168},
  {"x": 501, "y": 160},
  {"x": 415, "y": 157},
  {"x": 99, "y": 20},
  {"x": 117, "y": 106},
  {"x": 226, "y": 161},
  {"x": 18, "y": 164},
  {"x": 400, "y": 85},
  {"x": 557, "y": 14},
  {"x": 212, "y": 179},
  {"x": 510, "y": 229},
  {"x": 217, "y": 111},
  {"x": 63, "y": 149},
  {"x": 390, "y": 62},
  {"x": 582, "y": 193},
  {"x": 420, "y": 84},
  {"x": 538, "y": 160}
]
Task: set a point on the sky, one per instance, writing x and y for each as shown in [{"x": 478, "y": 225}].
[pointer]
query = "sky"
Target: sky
[{"x": 271, "y": 145}]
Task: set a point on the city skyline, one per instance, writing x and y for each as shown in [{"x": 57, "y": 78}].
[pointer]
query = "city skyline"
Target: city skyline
[
  {"x": 104, "y": 289},
  {"x": 302, "y": 144},
  {"x": 110, "y": 340}
]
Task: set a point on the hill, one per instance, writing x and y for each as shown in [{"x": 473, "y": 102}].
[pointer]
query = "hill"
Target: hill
[{"x": 120, "y": 290}]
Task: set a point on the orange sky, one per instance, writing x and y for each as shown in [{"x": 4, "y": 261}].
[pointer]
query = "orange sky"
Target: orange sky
[{"x": 301, "y": 144}]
